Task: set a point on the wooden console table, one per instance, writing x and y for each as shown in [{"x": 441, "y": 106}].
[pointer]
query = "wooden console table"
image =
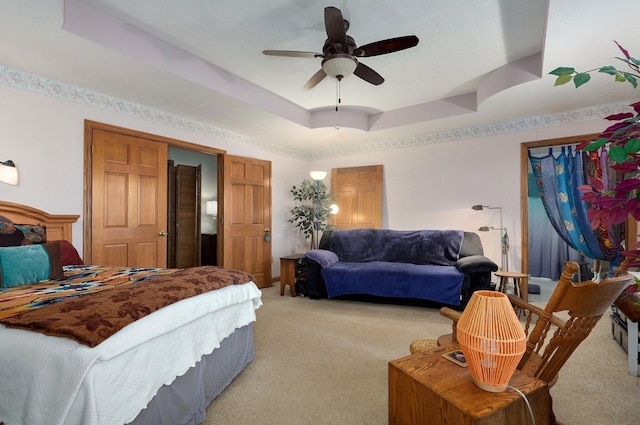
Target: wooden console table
[{"x": 426, "y": 388}]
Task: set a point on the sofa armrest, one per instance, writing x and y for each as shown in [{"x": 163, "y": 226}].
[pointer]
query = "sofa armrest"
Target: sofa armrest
[
  {"x": 323, "y": 257},
  {"x": 476, "y": 264},
  {"x": 315, "y": 286}
]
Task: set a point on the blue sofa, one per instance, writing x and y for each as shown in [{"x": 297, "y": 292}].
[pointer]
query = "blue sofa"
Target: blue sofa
[{"x": 442, "y": 266}]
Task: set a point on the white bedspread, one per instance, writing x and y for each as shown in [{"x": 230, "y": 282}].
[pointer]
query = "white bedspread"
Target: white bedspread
[{"x": 47, "y": 380}]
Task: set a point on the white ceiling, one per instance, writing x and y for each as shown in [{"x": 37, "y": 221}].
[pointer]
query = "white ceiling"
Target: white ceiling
[{"x": 477, "y": 63}]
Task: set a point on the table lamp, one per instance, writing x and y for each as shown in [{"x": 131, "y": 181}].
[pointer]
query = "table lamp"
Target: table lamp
[{"x": 492, "y": 339}]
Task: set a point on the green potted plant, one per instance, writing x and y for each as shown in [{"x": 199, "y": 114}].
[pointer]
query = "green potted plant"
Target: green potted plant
[
  {"x": 311, "y": 214},
  {"x": 622, "y": 140}
]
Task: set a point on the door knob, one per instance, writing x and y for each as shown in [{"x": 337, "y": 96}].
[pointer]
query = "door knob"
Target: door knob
[{"x": 162, "y": 233}]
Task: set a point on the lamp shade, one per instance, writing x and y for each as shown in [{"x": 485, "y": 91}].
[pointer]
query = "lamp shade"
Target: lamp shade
[
  {"x": 8, "y": 173},
  {"x": 491, "y": 338},
  {"x": 339, "y": 65},
  {"x": 318, "y": 175},
  {"x": 211, "y": 208}
]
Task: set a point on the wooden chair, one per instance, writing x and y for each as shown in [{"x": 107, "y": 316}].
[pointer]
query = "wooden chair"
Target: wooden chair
[{"x": 550, "y": 339}]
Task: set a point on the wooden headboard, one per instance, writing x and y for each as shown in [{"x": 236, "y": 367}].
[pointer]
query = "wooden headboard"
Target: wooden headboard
[{"x": 58, "y": 226}]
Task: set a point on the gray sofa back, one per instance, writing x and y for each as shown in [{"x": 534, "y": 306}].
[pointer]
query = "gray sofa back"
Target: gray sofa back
[{"x": 471, "y": 245}]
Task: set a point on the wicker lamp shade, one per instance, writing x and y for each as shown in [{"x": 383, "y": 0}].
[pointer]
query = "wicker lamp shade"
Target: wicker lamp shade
[{"x": 492, "y": 339}]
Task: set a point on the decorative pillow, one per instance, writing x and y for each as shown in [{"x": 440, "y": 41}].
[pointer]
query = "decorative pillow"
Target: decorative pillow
[
  {"x": 68, "y": 254},
  {"x": 13, "y": 234},
  {"x": 24, "y": 265},
  {"x": 323, "y": 257}
]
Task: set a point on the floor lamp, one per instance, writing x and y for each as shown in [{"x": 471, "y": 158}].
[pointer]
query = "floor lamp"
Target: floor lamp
[
  {"x": 504, "y": 244},
  {"x": 504, "y": 236}
]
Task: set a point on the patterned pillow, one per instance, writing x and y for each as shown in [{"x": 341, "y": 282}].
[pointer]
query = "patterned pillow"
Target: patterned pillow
[
  {"x": 13, "y": 234},
  {"x": 24, "y": 265}
]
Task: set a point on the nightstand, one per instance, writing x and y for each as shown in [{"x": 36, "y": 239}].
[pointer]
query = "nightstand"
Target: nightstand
[
  {"x": 209, "y": 249},
  {"x": 291, "y": 270}
]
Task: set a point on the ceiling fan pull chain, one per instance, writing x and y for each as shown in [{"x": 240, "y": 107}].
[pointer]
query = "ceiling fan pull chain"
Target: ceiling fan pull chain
[{"x": 338, "y": 101}]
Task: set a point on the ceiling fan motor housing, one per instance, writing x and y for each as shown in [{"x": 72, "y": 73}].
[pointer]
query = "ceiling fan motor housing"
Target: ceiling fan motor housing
[{"x": 339, "y": 61}]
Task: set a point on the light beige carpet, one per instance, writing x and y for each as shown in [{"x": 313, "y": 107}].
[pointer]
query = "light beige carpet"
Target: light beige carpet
[{"x": 325, "y": 362}]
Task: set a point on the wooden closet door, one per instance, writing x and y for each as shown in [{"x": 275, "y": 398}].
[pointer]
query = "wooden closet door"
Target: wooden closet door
[
  {"x": 359, "y": 197},
  {"x": 246, "y": 223},
  {"x": 129, "y": 200},
  {"x": 187, "y": 210}
]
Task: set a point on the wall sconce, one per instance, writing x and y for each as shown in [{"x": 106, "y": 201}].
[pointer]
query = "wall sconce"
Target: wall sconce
[
  {"x": 317, "y": 176},
  {"x": 504, "y": 239},
  {"x": 9, "y": 173},
  {"x": 334, "y": 209},
  {"x": 211, "y": 208}
]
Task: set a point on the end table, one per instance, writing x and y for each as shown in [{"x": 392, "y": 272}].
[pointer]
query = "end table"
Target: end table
[
  {"x": 290, "y": 271},
  {"x": 520, "y": 283},
  {"x": 426, "y": 388}
]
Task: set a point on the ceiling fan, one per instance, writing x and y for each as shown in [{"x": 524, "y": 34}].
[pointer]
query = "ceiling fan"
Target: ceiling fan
[{"x": 340, "y": 53}]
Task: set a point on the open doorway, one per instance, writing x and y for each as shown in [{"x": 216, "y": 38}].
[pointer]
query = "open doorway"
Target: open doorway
[
  {"x": 192, "y": 224},
  {"x": 528, "y": 219}
]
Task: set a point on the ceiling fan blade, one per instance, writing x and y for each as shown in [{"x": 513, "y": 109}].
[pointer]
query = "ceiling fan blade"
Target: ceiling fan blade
[
  {"x": 335, "y": 26},
  {"x": 292, "y": 53},
  {"x": 368, "y": 74},
  {"x": 317, "y": 77},
  {"x": 386, "y": 46}
]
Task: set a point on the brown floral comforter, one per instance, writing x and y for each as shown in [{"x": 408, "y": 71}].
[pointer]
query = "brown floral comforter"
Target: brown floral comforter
[{"x": 92, "y": 318}]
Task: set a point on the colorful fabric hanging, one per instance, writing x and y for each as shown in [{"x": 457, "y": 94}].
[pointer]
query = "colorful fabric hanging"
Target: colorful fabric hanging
[{"x": 558, "y": 179}]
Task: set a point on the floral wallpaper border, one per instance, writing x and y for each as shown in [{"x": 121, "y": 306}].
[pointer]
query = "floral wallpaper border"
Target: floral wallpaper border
[{"x": 18, "y": 79}]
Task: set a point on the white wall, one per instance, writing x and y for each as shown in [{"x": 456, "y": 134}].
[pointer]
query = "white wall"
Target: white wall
[{"x": 431, "y": 186}]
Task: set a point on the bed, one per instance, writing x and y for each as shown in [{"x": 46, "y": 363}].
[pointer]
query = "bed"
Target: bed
[{"x": 163, "y": 365}]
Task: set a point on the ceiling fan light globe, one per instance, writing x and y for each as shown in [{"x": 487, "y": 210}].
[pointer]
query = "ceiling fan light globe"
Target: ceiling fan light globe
[{"x": 341, "y": 65}]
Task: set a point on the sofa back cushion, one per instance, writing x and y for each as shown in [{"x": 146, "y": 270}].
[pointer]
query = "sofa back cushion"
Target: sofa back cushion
[{"x": 439, "y": 247}]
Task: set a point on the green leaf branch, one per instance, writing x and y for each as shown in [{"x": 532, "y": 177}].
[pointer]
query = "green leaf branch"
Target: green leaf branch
[{"x": 566, "y": 74}]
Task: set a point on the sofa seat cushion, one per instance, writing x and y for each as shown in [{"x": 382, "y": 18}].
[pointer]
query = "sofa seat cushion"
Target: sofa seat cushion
[
  {"x": 439, "y": 247},
  {"x": 440, "y": 284}
]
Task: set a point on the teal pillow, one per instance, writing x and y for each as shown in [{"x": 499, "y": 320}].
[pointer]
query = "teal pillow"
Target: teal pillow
[{"x": 28, "y": 264}]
